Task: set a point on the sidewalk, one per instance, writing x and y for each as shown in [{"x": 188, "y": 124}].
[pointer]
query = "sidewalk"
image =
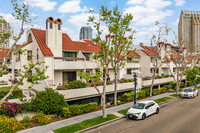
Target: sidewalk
[{"x": 55, "y": 125}]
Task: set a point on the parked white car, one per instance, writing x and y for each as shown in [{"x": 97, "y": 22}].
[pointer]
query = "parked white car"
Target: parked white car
[
  {"x": 143, "y": 109},
  {"x": 189, "y": 92}
]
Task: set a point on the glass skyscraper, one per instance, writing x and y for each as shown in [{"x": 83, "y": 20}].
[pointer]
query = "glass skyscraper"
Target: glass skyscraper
[{"x": 86, "y": 33}]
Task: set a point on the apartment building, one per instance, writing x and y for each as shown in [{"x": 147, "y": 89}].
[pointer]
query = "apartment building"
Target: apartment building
[
  {"x": 4, "y": 28},
  {"x": 189, "y": 30}
]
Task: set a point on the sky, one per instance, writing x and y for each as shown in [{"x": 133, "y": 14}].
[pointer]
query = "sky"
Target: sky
[{"x": 75, "y": 13}]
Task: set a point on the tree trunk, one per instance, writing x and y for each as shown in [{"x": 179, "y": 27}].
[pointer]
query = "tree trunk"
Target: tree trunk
[
  {"x": 152, "y": 84},
  {"x": 115, "y": 94},
  {"x": 8, "y": 94},
  {"x": 104, "y": 97}
]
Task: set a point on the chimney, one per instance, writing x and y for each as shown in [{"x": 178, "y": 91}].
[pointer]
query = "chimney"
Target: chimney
[
  {"x": 50, "y": 33},
  {"x": 58, "y": 37}
]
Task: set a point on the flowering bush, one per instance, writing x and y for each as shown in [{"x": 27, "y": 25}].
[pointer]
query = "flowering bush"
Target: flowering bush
[
  {"x": 9, "y": 125},
  {"x": 41, "y": 119},
  {"x": 11, "y": 109}
]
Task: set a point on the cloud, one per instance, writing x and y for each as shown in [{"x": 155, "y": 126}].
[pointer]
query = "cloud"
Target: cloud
[
  {"x": 46, "y": 5},
  {"x": 135, "y": 2},
  {"x": 158, "y": 4},
  {"x": 72, "y": 6},
  {"x": 26, "y": 27},
  {"x": 147, "y": 16},
  {"x": 34, "y": 15},
  {"x": 11, "y": 20},
  {"x": 179, "y": 2},
  {"x": 66, "y": 30},
  {"x": 175, "y": 23},
  {"x": 80, "y": 19}
]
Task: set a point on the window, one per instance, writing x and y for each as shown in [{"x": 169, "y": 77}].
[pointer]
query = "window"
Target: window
[
  {"x": 59, "y": 27},
  {"x": 69, "y": 54},
  {"x": 37, "y": 55},
  {"x": 29, "y": 55},
  {"x": 8, "y": 60},
  {"x": 0, "y": 63},
  {"x": 87, "y": 56},
  {"x": 152, "y": 70},
  {"x": 174, "y": 70},
  {"x": 51, "y": 26},
  {"x": 128, "y": 71},
  {"x": 129, "y": 59},
  {"x": 29, "y": 73}
]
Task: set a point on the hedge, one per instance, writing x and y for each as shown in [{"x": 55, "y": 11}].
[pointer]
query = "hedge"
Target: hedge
[
  {"x": 167, "y": 87},
  {"x": 147, "y": 91},
  {"x": 17, "y": 93},
  {"x": 159, "y": 90},
  {"x": 141, "y": 94},
  {"x": 173, "y": 85},
  {"x": 76, "y": 109},
  {"x": 128, "y": 96}
]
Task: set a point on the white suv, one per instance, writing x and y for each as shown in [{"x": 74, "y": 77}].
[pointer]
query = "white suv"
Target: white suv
[{"x": 189, "y": 92}]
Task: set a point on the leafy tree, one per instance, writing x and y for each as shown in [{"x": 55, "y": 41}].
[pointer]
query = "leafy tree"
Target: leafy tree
[
  {"x": 21, "y": 13},
  {"x": 192, "y": 74}
]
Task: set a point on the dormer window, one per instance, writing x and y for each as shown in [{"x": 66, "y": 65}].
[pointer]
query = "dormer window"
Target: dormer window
[
  {"x": 51, "y": 26},
  {"x": 59, "y": 27}
]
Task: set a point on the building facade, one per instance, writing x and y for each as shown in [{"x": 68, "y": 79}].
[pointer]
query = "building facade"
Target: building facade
[
  {"x": 189, "y": 30},
  {"x": 4, "y": 28},
  {"x": 86, "y": 33}
]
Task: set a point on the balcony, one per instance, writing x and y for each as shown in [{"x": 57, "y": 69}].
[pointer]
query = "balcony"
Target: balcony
[
  {"x": 65, "y": 63},
  {"x": 132, "y": 65}
]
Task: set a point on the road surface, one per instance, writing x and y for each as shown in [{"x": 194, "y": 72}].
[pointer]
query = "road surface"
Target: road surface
[{"x": 180, "y": 116}]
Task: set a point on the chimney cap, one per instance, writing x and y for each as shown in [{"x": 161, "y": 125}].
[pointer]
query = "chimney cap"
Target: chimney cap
[
  {"x": 50, "y": 19},
  {"x": 58, "y": 21}
]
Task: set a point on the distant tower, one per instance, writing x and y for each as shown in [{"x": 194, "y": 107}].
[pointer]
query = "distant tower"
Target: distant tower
[
  {"x": 4, "y": 28},
  {"x": 86, "y": 33},
  {"x": 189, "y": 30}
]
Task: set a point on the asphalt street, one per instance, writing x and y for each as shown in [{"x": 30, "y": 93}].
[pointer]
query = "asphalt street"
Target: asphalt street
[{"x": 180, "y": 116}]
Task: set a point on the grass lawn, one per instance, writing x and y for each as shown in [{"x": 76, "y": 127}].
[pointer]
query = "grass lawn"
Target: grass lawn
[
  {"x": 123, "y": 111},
  {"x": 85, "y": 124},
  {"x": 175, "y": 95},
  {"x": 162, "y": 99},
  {"x": 198, "y": 87}
]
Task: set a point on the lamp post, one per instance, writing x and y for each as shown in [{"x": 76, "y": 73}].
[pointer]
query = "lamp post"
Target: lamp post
[{"x": 135, "y": 79}]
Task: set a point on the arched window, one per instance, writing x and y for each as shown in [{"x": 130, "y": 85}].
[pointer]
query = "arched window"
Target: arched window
[{"x": 29, "y": 37}]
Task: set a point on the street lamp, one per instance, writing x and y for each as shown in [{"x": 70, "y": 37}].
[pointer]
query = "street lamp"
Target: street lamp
[{"x": 135, "y": 79}]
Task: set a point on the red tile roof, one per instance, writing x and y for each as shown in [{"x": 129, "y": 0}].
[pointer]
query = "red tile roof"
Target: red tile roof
[
  {"x": 133, "y": 54},
  {"x": 3, "y": 53},
  {"x": 67, "y": 43},
  {"x": 168, "y": 59},
  {"x": 40, "y": 36},
  {"x": 150, "y": 51}
]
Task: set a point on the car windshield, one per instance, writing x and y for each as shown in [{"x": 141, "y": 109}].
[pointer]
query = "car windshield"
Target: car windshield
[
  {"x": 188, "y": 90},
  {"x": 139, "y": 106}
]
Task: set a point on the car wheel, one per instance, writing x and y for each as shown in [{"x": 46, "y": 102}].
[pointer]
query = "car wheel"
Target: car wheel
[
  {"x": 144, "y": 116},
  {"x": 197, "y": 94},
  {"x": 157, "y": 110},
  {"x": 193, "y": 96}
]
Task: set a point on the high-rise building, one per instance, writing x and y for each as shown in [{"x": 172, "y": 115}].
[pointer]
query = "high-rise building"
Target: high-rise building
[
  {"x": 189, "y": 30},
  {"x": 86, "y": 33},
  {"x": 4, "y": 28}
]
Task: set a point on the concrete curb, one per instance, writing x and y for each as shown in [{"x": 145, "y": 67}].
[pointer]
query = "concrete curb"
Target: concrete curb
[{"x": 104, "y": 123}]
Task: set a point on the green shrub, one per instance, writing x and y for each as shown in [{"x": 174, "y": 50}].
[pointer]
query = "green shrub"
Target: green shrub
[
  {"x": 163, "y": 89},
  {"x": 48, "y": 101},
  {"x": 147, "y": 91},
  {"x": 141, "y": 94},
  {"x": 41, "y": 119},
  {"x": 108, "y": 83},
  {"x": 128, "y": 96},
  {"x": 167, "y": 87},
  {"x": 76, "y": 84},
  {"x": 182, "y": 85},
  {"x": 78, "y": 109},
  {"x": 173, "y": 85},
  {"x": 198, "y": 80},
  {"x": 189, "y": 83},
  {"x": 156, "y": 91},
  {"x": 126, "y": 80},
  {"x": 17, "y": 93}
]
